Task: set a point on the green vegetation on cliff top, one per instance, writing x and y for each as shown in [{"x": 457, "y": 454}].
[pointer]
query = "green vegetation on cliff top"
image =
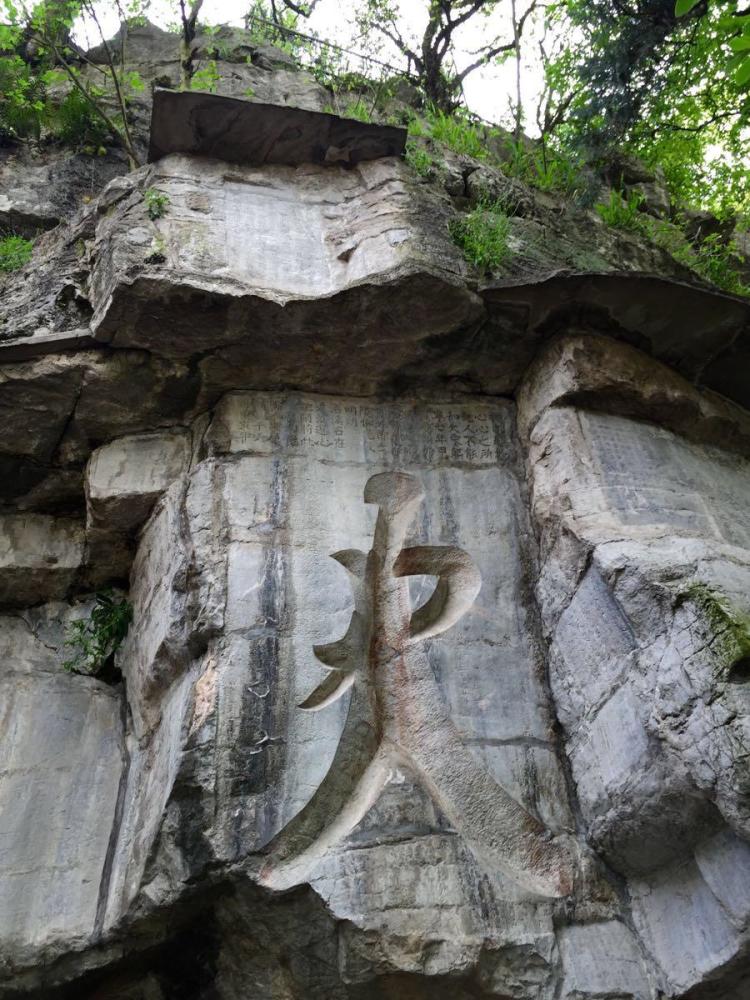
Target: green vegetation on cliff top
[{"x": 663, "y": 85}]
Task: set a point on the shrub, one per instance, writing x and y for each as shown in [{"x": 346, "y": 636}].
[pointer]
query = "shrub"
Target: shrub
[
  {"x": 27, "y": 109},
  {"x": 157, "y": 203},
  {"x": 95, "y": 640},
  {"x": 15, "y": 251},
  {"x": 21, "y": 100},
  {"x": 483, "y": 235},
  {"x": 75, "y": 123}
]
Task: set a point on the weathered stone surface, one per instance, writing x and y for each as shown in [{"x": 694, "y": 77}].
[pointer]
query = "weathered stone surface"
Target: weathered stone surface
[
  {"x": 58, "y": 409},
  {"x": 125, "y": 478},
  {"x": 644, "y": 594},
  {"x": 248, "y": 132},
  {"x": 144, "y": 42},
  {"x": 381, "y": 259},
  {"x": 244, "y": 67},
  {"x": 237, "y": 603},
  {"x": 123, "y": 481},
  {"x": 37, "y": 400},
  {"x": 701, "y": 335},
  {"x": 328, "y": 250},
  {"x": 602, "y": 959},
  {"x": 38, "y": 557},
  {"x": 592, "y": 372},
  {"x": 44, "y": 187},
  {"x": 233, "y": 588},
  {"x": 46, "y": 300},
  {"x": 60, "y": 762},
  {"x": 428, "y": 693}
]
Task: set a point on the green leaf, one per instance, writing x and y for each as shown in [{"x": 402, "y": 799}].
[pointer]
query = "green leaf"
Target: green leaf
[
  {"x": 134, "y": 81},
  {"x": 742, "y": 73},
  {"x": 683, "y": 7},
  {"x": 741, "y": 44},
  {"x": 731, "y": 21}
]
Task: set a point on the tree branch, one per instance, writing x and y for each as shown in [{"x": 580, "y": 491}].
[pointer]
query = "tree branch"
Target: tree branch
[
  {"x": 115, "y": 79},
  {"x": 393, "y": 34},
  {"x": 495, "y": 50},
  {"x": 116, "y": 134},
  {"x": 489, "y": 54},
  {"x": 189, "y": 23},
  {"x": 718, "y": 117},
  {"x": 300, "y": 9},
  {"x": 472, "y": 9}
]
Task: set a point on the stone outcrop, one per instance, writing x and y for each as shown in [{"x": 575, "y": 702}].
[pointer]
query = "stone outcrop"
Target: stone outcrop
[
  {"x": 643, "y": 593},
  {"x": 237, "y": 131},
  {"x": 437, "y": 679}
]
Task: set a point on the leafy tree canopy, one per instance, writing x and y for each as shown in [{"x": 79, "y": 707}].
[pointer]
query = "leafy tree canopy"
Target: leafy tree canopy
[{"x": 667, "y": 83}]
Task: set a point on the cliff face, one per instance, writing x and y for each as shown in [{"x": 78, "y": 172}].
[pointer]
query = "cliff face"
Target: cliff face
[{"x": 438, "y": 672}]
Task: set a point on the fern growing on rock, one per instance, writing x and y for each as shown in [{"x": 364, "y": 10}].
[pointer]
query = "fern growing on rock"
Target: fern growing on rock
[{"x": 95, "y": 640}]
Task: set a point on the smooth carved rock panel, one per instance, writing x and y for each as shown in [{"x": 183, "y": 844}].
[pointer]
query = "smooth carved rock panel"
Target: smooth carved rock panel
[
  {"x": 466, "y": 460},
  {"x": 313, "y": 496},
  {"x": 417, "y": 787},
  {"x": 650, "y": 480},
  {"x": 282, "y": 271}
]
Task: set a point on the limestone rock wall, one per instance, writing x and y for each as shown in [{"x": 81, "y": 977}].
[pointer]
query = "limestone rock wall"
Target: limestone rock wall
[
  {"x": 436, "y": 683},
  {"x": 643, "y": 591}
]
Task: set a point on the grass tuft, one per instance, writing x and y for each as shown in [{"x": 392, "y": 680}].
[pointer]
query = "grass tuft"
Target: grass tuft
[
  {"x": 15, "y": 251},
  {"x": 482, "y": 235}
]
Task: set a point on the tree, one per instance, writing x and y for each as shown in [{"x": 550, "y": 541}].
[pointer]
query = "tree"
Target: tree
[
  {"x": 99, "y": 92},
  {"x": 736, "y": 30},
  {"x": 430, "y": 58},
  {"x": 660, "y": 85},
  {"x": 189, "y": 25},
  {"x": 37, "y": 50}
]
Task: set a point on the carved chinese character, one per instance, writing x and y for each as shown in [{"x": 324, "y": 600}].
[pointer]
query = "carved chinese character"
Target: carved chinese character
[{"x": 397, "y": 715}]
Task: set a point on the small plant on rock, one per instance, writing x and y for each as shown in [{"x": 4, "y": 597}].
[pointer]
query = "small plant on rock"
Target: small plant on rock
[
  {"x": 206, "y": 78},
  {"x": 458, "y": 134},
  {"x": 483, "y": 235},
  {"x": 542, "y": 167},
  {"x": 158, "y": 251},
  {"x": 713, "y": 258},
  {"x": 15, "y": 251},
  {"x": 95, "y": 640},
  {"x": 620, "y": 212},
  {"x": 419, "y": 159},
  {"x": 717, "y": 261},
  {"x": 358, "y": 110},
  {"x": 157, "y": 203}
]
